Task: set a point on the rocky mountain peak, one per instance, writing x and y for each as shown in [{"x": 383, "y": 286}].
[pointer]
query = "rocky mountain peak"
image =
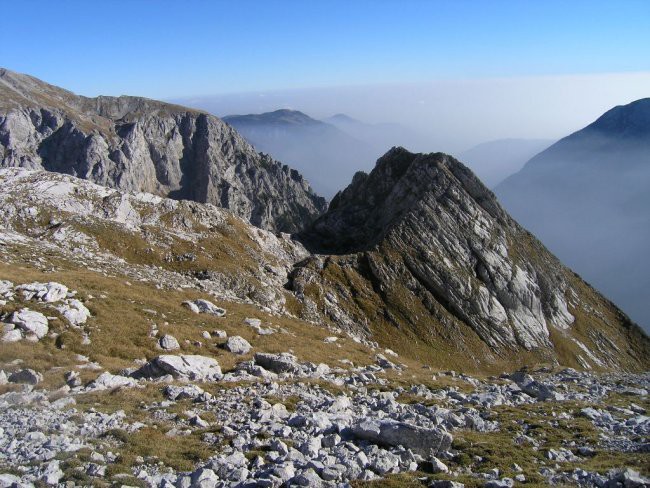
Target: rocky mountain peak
[
  {"x": 437, "y": 251},
  {"x": 361, "y": 215},
  {"x": 631, "y": 120}
]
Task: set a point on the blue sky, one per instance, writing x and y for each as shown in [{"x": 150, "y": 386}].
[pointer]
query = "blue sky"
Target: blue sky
[{"x": 169, "y": 49}]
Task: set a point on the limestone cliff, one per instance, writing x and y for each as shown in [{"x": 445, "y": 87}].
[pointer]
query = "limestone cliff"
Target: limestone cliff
[{"x": 137, "y": 144}]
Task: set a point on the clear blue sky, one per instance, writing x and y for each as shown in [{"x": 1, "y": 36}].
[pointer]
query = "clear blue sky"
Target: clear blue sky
[{"x": 183, "y": 48}]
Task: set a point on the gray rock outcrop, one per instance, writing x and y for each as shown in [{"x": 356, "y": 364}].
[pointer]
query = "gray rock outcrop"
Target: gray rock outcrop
[
  {"x": 30, "y": 323},
  {"x": 188, "y": 367},
  {"x": 141, "y": 145}
]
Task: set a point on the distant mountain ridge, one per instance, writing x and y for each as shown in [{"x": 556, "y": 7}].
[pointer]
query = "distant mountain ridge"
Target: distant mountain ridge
[
  {"x": 587, "y": 198},
  {"x": 137, "y": 144},
  {"x": 281, "y": 116},
  {"x": 326, "y": 155}
]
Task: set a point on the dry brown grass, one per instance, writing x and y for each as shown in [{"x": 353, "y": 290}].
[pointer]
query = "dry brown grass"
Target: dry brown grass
[{"x": 119, "y": 327}]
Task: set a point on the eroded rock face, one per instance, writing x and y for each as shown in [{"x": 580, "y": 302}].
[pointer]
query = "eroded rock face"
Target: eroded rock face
[
  {"x": 424, "y": 226},
  {"x": 136, "y": 144}
]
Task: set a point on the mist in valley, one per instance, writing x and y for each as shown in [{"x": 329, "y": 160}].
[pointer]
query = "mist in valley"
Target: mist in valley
[{"x": 586, "y": 198}]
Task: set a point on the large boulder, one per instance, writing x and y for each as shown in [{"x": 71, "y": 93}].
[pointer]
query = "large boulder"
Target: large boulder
[
  {"x": 6, "y": 289},
  {"x": 26, "y": 376},
  {"x": 11, "y": 333},
  {"x": 534, "y": 388},
  {"x": 169, "y": 343},
  {"x": 237, "y": 345},
  {"x": 420, "y": 440},
  {"x": 174, "y": 392},
  {"x": 30, "y": 322},
  {"x": 187, "y": 367},
  {"x": 278, "y": 363}
]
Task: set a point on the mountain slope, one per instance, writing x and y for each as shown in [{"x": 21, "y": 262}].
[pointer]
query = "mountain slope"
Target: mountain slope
[
  {"x": 435, "y": 263},
  {"x": 124, "y": 380},
  {"x": 494, "y": 161},
  {"x": 136, "y": 144},
  {"x": 326, "y": 155},
  {"x": 586, "y": 197}
]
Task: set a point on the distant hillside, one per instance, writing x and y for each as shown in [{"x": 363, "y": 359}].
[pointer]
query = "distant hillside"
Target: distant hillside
[
  {"x": 494, "y": 161},
  {"x": 586, "y": 197},
  {"x": 326, "y": 155}
]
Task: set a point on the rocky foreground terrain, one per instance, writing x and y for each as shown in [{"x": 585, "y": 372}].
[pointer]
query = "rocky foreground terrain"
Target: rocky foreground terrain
[{"x": 151, "y": 342}]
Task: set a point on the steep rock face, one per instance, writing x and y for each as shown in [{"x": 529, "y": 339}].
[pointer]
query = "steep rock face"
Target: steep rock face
[
  {"x": 438, "y": 252},
  {"x": 136, "y": 144}
]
